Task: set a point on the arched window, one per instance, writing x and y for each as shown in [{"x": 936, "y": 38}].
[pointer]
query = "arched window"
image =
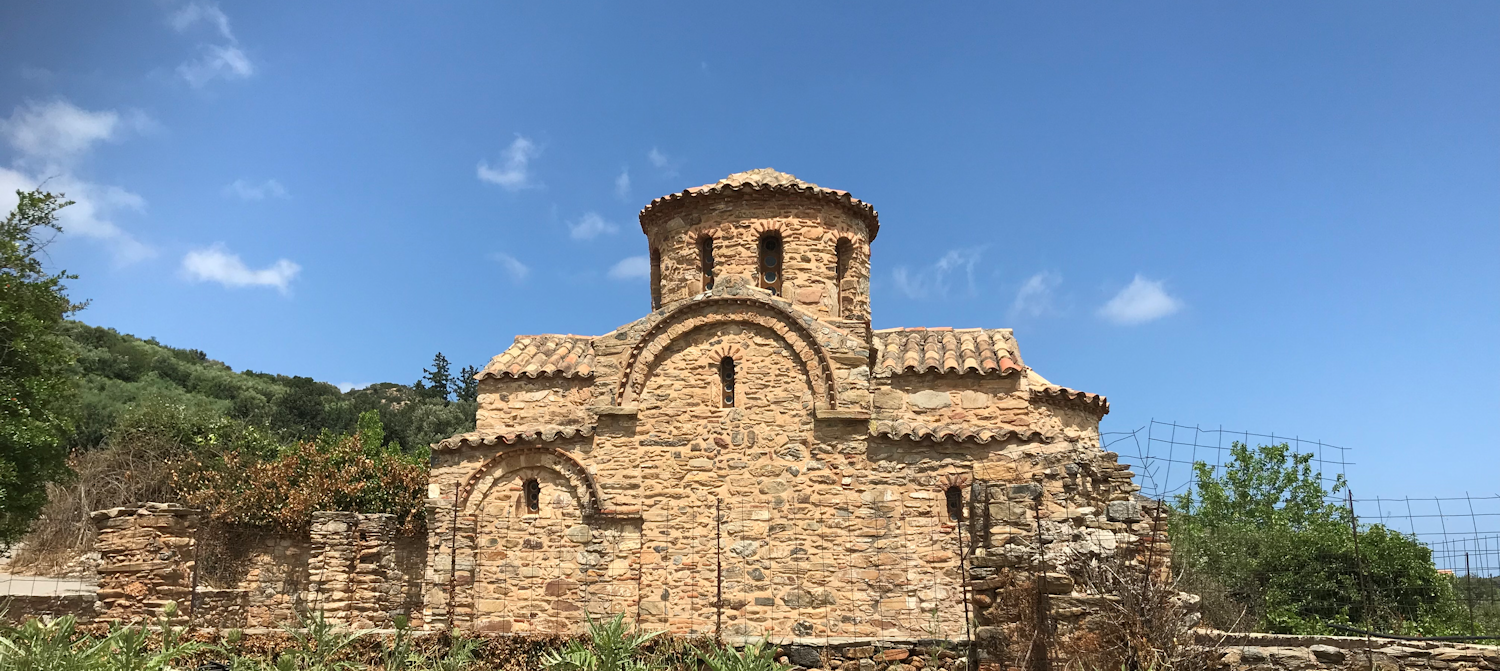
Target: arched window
[
  {"x": 955, "y": 500},
  {"x": 726, "y": 380},
  {"x": 768, "y": 275},
  {"x": 706, "y": 260},
  {"x": 531, "y": 495},
  {"x": 844, "y": 251},
  {"x": 655, "y": 278}
]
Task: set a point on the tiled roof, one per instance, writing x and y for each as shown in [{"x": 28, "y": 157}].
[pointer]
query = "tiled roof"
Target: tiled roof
[
  {"x": 943, "y": 350},
  {"x": 541, "y": 434},
  {"x": 902, "y": 429},
  {"x": 1071, "y": 398},
  {"x": 771, "y": 181},
  {"x": 543, "y": 355}
]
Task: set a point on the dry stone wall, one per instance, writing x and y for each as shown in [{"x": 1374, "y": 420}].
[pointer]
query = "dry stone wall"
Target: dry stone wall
[
  {"x": 147, "y": 560},
  {"x": 350, "y": 567}
]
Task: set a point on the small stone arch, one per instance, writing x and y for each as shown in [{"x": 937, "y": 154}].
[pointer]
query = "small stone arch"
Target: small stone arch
[
  {"x": 644, "y": 356},
  {"x": 538, "y": 456}
]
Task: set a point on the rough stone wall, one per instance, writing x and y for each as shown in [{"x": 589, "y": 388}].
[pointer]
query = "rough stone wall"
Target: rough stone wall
[
  {"x": 146, "y": 561},
  {"x": 1274, "y": 652},
  {"x": 1042, "y": 527},
  {"x": 251, "y": 578},
  {"x": 990, "y": 401},
  {"x": 352, "y": 566},
  {"x": 810, "y": 233},
  {"x": 507, "y": 403},
  {"x": 352, "y": 573}
]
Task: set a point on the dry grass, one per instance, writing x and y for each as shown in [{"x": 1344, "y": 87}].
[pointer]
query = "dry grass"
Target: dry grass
[{"x": 106, "y": 478}]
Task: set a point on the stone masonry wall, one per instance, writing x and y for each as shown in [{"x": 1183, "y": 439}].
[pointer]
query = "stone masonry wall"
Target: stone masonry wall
[
  {"x": 351, "y": 567},
  {"x": 147, "y": 559},
  {"x": 810, "y": 233},
  {"x": 1274, "y": 652}
]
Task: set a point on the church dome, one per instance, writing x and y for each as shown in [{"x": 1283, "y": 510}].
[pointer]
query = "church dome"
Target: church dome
[{"x": 759, "y": 181}]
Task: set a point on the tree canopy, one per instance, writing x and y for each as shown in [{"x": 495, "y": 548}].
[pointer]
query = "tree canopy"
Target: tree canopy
[{"x": 37, "y": 388}]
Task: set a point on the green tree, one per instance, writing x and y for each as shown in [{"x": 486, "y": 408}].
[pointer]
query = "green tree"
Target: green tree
[
  {"x": 1269, "y": 547},
  {"x": 467, "y": 388},
  {"x": 36, "y": 383},
  {"x": 437, "y": 381}
]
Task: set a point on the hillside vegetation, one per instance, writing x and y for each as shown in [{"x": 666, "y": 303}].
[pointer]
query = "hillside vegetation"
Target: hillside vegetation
[{"x": 160, "y": 423}]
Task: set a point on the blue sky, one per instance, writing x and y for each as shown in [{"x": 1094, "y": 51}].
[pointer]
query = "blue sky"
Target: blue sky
[{"x": 1280, "y": 217}]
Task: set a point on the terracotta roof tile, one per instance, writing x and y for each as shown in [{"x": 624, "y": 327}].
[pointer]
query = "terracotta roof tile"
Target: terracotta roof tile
[
  {"x": 1071, "y": 398},
  {"x": 766, "y": 180},
  {"x": 543, "y": 355},
  {"x": 958, "y": 433},
  {"x": 943, "y": 350},
  {"x": 547, "y": 433}
]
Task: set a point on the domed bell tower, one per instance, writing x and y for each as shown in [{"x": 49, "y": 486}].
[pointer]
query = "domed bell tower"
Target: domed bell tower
[{"x": 767, "y": 231}]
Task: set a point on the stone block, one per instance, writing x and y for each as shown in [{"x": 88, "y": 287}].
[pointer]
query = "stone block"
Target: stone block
[
  {"x": 928, "y": 399},
  {"x": 1124, "y": 511}
]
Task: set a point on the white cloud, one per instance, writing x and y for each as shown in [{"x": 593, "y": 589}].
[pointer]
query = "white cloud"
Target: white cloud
[
  {"x": 217, "y": 264},
  {"x": 631, "y": 268},
  {"x": 90, "y": 216},
  {"x": 195, "y": 12},
  {"x": 936, "y": 281},
  {"x": 590, "y": 226},
  {"x": 622, "y": 184},
  {"x": 1139, "y": 302},
  {"x": 513, "y": 174},
  {"x": 56, "y": 134},
  {"x": 214, "y": 61},
  {"x": 50, "y": 139},
  {"x": 1035, "y": 297},
  {"x": 657, "y": 158},
  {"x": 347, "y": 387},
  {"x": 217, "y": 61},
  {"x": 246, "y": 191},
  {"x": 517, "y": 270},
  {"x": 666, "y": 164}
]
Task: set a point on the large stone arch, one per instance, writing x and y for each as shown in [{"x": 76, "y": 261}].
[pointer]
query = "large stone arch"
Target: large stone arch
[
  {"x": 589, "y": 496},
  {"x": 804, "y": 344}
]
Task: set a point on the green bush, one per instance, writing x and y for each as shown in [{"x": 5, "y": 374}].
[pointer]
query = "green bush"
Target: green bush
[{"x": 1270, "y": 549}]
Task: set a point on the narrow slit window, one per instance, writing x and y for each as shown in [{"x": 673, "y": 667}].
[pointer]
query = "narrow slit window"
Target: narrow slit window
[
  {"x": 844, "y": 250},
  {"x": 955, "y": 500},
  {"x": 655, "y": 278},
  {"x": 768, "y": 275},
  {"x": 531, "y": 493},
  {"x": 726, "y": 380},
  {"x": 706, "y": 260}
]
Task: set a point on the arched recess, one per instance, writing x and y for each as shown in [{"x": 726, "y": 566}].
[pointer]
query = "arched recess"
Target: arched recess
[
  {"x": 725, "y": 309},
  {"x": 589, "y": 496}
]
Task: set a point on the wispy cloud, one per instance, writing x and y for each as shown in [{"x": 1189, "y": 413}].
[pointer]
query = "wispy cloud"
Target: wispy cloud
[
  {"x": 222, "y": 60},
  {"x": 666, "y": 164},
  {"x": 591, "y": 226},
  {"x": 50, "y": 140},
  {"x": 622, "y": 184},
  {"x": 513, "y": 267},
  {"x": 244, "y": 190},
  {"x": 514, "y": 172},
  {"x": 936, "y": 280},
  {"x": 347, "y": 387},
  {"x": 54, "y": 135},
  {"x": 217, "y": 264},
  {"x": 1036, "y": 297},
  {"x": 631, "y": 268},
  {"x": 1139, "y": 302}
]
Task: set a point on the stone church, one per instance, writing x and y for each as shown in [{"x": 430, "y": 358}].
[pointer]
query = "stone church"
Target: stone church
[{"x": 751, "y": 457}]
